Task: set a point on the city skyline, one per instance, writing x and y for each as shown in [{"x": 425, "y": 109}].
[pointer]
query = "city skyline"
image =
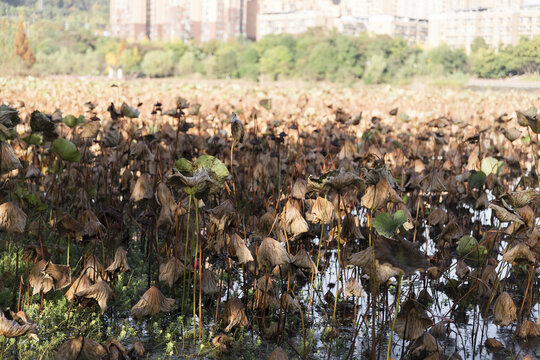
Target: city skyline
[{"x": 422, "y": 22}]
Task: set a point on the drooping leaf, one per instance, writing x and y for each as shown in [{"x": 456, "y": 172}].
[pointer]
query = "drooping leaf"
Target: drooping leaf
[
  {"x": 387, "y": 224},
  {"x": 129, "y": 111},
  {"x": 490, "y": 165},
  {"x": 73, "y": 121},
  {"x": 33, "y": 139},
  {"x": 66, "y": 150},
  {"x": 477, "y": 180},
  {"x": 469, "y": 249}
]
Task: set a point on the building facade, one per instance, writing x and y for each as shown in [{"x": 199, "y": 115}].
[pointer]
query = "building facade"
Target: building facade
[
  {"x": 497, "y": 26},
  {"x": 201, "y": 20}
]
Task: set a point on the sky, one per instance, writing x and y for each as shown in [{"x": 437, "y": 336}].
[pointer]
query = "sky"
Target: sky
[{"x": 532, "y": 2}]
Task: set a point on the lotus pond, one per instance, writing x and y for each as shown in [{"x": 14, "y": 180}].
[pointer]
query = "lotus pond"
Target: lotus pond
[{"x": 174, "y": 219}]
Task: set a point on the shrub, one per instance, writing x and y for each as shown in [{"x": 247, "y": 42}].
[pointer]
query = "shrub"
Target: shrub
[{"x": 158, "y": 63}]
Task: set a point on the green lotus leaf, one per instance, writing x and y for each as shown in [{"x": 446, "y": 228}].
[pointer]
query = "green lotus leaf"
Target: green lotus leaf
[
  {"x": 33, "y": 139},
  {"x": 469, "y": 249},
  {"x": 73, "y": 121},
  {"x": 66, "y": 150},
  {"x": 213, "y": 165},
  {"x": 387, "y": 224},
  {"x": 477, "y": 180},
  {"x": 129, "y": 111}
]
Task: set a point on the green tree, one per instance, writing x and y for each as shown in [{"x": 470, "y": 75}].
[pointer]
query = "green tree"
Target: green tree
[
  {"x": 186, "y": 64},
  {"x": 375, "y": 67},
  {"x": 226, "y": 63},
  {"x": 158, "y": 63},
  {"x": 479, "y": 43},
  {"x": 322, "y": 61},
  {"x": 276, "y": 61}
]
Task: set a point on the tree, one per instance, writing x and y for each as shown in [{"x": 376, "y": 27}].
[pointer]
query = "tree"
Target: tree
[
  {"x": 22, "y": 45},
  {"x": 276, "y": 61},
  {"x": 158, "y": 63}
]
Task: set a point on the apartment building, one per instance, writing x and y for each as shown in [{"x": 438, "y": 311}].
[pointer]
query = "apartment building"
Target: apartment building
[
  {"x": 502, "y": 25},
  {"x": 201, "y": 20}
]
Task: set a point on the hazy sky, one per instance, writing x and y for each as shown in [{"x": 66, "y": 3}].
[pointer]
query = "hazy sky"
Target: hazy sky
[{"x": 532, "y": 2}]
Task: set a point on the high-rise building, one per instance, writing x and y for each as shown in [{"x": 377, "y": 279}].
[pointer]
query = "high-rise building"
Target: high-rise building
[
  {"x": 496, "y": 26},
  {"x": 202, "y": 20}
]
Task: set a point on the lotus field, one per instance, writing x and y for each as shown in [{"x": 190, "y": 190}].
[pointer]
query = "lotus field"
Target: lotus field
[{"x": 214, "y": 219}]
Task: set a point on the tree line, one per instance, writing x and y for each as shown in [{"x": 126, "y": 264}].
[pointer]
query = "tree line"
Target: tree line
[{"x": 51, "y": 47}]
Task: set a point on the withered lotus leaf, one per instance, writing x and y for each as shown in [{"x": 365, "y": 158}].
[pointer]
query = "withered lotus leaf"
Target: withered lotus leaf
[
  {"x": 222, "y": 342},
  {"x": 265, "y": 293},
  {"x": 93, "y": 268},
  {"x": 492, "y": 343},
  {"x": 504, "y": 310},
  {"x": 16, "y": 324},
  {"x": 462, "y": 270},
  {"x": 165, "y": 199},
  {"x": 504, "y": 215},
  {"x": 519, "y": 199},
  {"x": 143, "y": 188},
  {"x": 46, "y": 276},
  {"x": 511, "y": 134},
  {"x": 237, "y": 129},
  {"x": 120, "y": 262},
  {"x": 151, "y": 303},
  {"x": 378, "y": 196},
  {"x": 35, "y": 252},
  {"x": 364, "y": 260},
  {"x": 209, "y": 283},
  {"x": 116, "y": 350},
  {"x": 9, "y": 116},
  {"x": 299, "y": 189},
  {"x": 278, "y": 354},
  {"x": 294, "y": 221},
  {"x": 170, "y": 272},
  {"x": 80, "y": 284},
  {"x": 112, "y": 137},
  {"x": 40, "y": 122},
  {"x": 223, "y": 215},
  {"x": 66, "y": 223},
  {"x": 353, "y": 288},
  {"x": 519, "y": 252},
  {"x": 90, "y": 129},
  {"x": 351, "y": 228},
  {"x": 322, "y": 211},
  {"x": 336, "y": 180},
  {"x": 100, "y": 291},
  {"x": 137, "y": 351},
  {"x": 271, "y": 254},
  {"x": 392, "y": 257},
  {"x": 240, "y": 250},
  {"x": 81, "y": 348},
  {"x": 234, "y": 314},
  {"x": 438, "y": 217},
  {"x": 424, "y": 345},
  {"x": 304, "y": 261},
  {"x": 33, "y": 172},
  {"x": 12, "y": 218},
  {"x": 412, "y": 320},
  {"x": 8, "y": 158},
  {"x": 528, "y": 329}
]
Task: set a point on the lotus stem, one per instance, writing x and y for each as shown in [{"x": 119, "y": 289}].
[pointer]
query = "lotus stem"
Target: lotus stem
[
  {"x": 186, "y": 261},
  {"x": 313, "y": 277},
  {"x": 338, "y": 256},
  {"x": 395, "y": 316},
  {"x": 232, "y": 177}
]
